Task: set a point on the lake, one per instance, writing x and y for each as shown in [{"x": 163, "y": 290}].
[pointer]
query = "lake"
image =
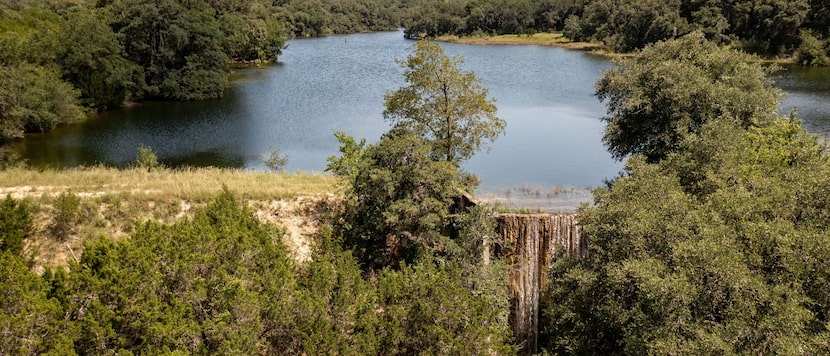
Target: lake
[{"x": 551, "y": 147}]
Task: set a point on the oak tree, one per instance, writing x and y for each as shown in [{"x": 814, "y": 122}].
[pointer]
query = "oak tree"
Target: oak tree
[
  {"x": 672, "y": 88},
  {"x": 444, "y": 104}
]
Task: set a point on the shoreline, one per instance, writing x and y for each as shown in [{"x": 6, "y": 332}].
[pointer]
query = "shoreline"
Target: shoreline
[
  {"x": 557, "y": 39},
  {"x": 548, "y": 39}
]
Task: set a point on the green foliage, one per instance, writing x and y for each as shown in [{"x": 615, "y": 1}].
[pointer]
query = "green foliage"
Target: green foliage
[
  {"x": 29, "y": 35},
  {"x": 66, "y": 215},
  {"x": 325, "y": 17},
  {"x": 499, "y": 16},
  {"x": 30, "y": 321},
  {"x": 147, "y": 159},
  {"x": 573, "y": 29},
  {"x": 34, "y": 99},
  {"x": 398, "y": 197},
  {"x": 92, "y": 60},
  {"x": 634, "y": 25},
  {"x": 179, "y": 45},
  {"x": 127, "y": 49},
  {"x": 812, "y": 51},
  {"x": 426, "y": 310},
  {"x": 764, "y": 26},
  {"x": 672, "y": 88},
  {"x": 768, "y": 26},
  {"x": 219, "y": 283},
  {"x": 337, "y": 312},
  {"x": 443, "y": 104},
  {"x": 252, "y": 32},
  {"x": 431, "y": 18},
  {"x": 15, "y": 225},
  {"x": 719, "y": 248},
  {"x": 276, "y": 160}
]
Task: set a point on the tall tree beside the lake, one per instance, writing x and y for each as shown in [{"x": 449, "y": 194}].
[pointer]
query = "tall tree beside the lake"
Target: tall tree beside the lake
[
  {"x": 444, "y": 104},
  {"x": 398, "y": 197},
  {"x": 672, "y": 88}
]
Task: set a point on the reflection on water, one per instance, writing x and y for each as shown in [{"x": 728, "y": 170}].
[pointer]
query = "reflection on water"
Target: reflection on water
[
  {"x": 337, "y": 83},
  {"x": 808, "y": 92}
]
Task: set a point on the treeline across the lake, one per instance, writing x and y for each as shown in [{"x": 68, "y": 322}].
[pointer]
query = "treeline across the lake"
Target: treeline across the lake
[
  {"x": 765, "y": 26},
  {"x": 60, "y": 58}
]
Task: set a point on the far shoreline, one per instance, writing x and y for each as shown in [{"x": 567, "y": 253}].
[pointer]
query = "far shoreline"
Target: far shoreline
[
  {"x": 549, "y": 39},
  {"x": 557, "y": 39}
]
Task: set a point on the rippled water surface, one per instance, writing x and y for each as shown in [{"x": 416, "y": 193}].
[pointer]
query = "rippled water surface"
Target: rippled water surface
[{"x": 337, "y": 83}]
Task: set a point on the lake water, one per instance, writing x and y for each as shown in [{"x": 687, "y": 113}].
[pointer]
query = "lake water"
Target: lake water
[{"x": 337, "y": 83}]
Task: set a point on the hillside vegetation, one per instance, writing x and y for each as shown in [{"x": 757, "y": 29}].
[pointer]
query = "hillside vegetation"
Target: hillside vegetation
[{"x": 714, "y": 240}]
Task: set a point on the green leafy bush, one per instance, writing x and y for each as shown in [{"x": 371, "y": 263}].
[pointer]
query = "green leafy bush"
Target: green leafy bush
[
  {"x": 65, "y": 216},
  {"x": 34, "y": 99},
  {"x": 812, "y": 51},
  {"x": 276, "y": 160},
  {"x": 721, "y": 248},
  {"x": 147, "y": 159},
  {"x": 15, "y": 225}
]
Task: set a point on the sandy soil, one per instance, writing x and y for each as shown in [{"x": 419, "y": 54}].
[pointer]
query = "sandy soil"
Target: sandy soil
[{"x": 299, "y": 217}]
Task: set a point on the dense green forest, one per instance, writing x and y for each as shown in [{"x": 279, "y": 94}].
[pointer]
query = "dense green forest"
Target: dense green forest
[
  {"x": 60, "y": 59},
  {"x": 762, "y": 26},
  {"x": 222, "y": 283}
]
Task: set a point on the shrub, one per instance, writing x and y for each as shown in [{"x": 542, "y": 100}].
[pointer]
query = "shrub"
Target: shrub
[
  {"x": 15, "y": 224},
  {"x": 276, "y": 160},
  {"x": 147, "y": 159},
  {"x": 812, "y": 51},
  {"x": 66, "y": 215}
]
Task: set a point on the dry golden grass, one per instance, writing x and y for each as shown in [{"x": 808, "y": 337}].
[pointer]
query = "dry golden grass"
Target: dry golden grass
[
  {"x": 197, "y": 184},
  {"x": 539, "y": 39},
  {"x": 113, "y": 200}
]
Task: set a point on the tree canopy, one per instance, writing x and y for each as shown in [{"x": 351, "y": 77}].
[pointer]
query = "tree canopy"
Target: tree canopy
[
  {"x": 398, "y": 198},
  {"x": 765, "y": 26},
  {"x": 719, "y": 248},
  {"x": 714, "y": 239},
  {"x": 443, "y": 104},
  {"x": 674, "y": 87}
]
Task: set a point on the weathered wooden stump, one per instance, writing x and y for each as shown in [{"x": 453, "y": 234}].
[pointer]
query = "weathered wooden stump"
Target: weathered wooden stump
[{"x": 530, "y": 243}]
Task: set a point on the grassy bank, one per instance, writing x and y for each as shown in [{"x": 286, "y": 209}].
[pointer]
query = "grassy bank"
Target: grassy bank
[
  {"x": 556, "y": 39},
  {"x": 75, "y": 205},
  {"x": 538, "y": 39},
  {"x": 198, "y": 184}
]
